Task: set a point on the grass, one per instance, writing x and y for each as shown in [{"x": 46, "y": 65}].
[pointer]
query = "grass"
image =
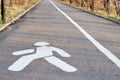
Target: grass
[
  {"x": 103, "y": 13},
  {"x": 112, "y": 15},
  {"x": 0, "y": 21},
  {"x": 15, "y": 10},
  {"x": 115, "y": 18}
]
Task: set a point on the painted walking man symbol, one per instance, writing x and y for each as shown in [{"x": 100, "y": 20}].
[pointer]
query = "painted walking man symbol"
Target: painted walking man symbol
[{"x": 42, "y": 51}]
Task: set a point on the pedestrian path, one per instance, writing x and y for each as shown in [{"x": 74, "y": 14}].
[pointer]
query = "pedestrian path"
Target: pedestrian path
[{"x": 45, "y": 23}]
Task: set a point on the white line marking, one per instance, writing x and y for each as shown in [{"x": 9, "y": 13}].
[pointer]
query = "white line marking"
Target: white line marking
[
  {"x": 60, "y": 64},
  {"x": 106, "y": 52}
]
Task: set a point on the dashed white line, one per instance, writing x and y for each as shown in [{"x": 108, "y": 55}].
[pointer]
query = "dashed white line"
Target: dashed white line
[{"x": 105, "y": 51}]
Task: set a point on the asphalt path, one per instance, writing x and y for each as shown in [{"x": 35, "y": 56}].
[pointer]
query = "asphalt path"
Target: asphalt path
[{"x": 45, "y": 23}]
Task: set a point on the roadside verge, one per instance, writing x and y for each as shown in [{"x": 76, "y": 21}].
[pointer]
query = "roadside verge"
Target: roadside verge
[
  {"x": 18, "y": 17},
  {"x": 117, "y": 22}
]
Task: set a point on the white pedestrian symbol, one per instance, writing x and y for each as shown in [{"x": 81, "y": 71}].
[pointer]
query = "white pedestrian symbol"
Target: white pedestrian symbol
[{"x": 42, "y": 51}]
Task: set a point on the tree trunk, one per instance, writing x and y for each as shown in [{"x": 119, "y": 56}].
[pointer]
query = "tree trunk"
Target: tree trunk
[
  {"x": 3, "y": 11},
  {"x": 82, "y": 3},
  {"x": 117, "y": 6},
  {"x": 76, "y": 3},
  {"x": 11, "y": 3},
  {"x": 92, "y": 5},
  {"x": 107, "y": 6}
]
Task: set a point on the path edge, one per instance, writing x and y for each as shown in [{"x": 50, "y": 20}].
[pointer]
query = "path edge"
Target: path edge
[
  {"x": 89, "y": 12},
  {"x": 18, "y": 17}
]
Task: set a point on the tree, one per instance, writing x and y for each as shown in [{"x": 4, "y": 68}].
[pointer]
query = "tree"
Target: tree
[
  {"x": 10, "y": 3},
  {"x": 3, "y": 11},
  {"x": 82, "y": 3},
  {"x": 117, "y": 6},
  {"x": 70, "y": 1},
  {"x": 91, "y": 3},
  {"x": 107, "y": 6},
  {"x": 76, "y": 2}
]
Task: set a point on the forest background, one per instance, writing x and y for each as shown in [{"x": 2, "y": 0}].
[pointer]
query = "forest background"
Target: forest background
[
  {"x": 14, "y": 7},
  {"x": 107, "y": 8}
]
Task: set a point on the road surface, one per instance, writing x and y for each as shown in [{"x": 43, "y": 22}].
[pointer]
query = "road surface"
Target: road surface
[{"x": 60, "y": 25}]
